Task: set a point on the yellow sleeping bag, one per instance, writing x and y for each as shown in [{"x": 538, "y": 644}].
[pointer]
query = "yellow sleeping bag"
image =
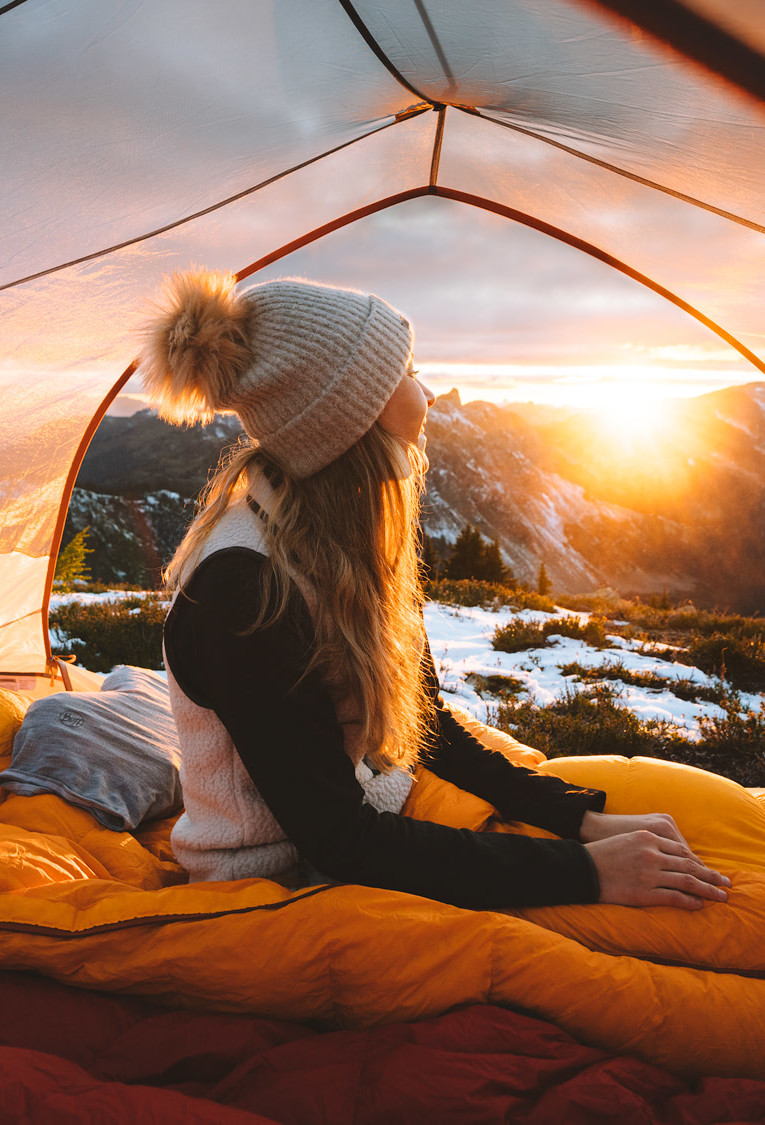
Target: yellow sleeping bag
[{"x": 106, "y": 910}]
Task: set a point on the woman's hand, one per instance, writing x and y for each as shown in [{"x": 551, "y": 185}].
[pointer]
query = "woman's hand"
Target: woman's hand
[
  {"x": 643, "y": 868},
  {"x": 599, "y": 826}
]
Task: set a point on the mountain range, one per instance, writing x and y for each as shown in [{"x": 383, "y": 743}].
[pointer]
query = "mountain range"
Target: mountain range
[{"x": 678, "y": 508}]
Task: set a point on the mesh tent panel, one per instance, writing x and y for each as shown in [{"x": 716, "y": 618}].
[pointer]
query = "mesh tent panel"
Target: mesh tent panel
[
  {"x": 44, "y": 416},
  {"x": 90, "y": 315}
]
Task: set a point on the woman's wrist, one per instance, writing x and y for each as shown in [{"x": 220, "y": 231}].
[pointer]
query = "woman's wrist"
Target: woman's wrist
[{"x": 592, "y": 826}]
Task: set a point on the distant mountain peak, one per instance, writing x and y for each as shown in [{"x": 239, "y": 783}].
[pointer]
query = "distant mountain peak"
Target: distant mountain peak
[{"x": 685, "y": 514}]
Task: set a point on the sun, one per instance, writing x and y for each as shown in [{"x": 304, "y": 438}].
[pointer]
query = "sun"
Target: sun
[{"x": 630, "y": 413}]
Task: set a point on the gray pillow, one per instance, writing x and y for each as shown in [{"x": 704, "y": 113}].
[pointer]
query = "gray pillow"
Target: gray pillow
[{"x": 113, "y": 752}]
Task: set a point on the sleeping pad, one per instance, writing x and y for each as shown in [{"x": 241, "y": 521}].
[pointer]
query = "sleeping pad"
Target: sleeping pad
[{"x": 110, "y": 911}]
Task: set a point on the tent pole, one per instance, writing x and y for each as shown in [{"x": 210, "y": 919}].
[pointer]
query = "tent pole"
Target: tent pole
[
  {"x": 603, "y": 256},
  {"x": 518, "y": 217},
  {"x": 63, "y": 507}
]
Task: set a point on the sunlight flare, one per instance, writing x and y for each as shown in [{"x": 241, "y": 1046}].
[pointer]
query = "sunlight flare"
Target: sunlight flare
[{"x": 630, "y": 414}]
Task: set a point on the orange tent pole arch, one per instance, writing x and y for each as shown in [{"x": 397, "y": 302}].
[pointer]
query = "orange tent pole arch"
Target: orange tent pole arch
[{"x": 431, "y": 189}]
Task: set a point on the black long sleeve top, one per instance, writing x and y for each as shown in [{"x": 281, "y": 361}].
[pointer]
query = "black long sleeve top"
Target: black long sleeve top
[{"x": 285, "y": 730}]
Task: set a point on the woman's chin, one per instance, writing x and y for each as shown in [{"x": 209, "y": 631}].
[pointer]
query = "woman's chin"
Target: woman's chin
[
  {"x": 405, "y": 455},
  {"x": 422, "y": 441}
]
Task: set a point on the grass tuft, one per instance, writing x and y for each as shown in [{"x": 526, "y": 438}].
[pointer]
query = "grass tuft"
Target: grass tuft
[
  {"x": 496, "y": 685},
  {"x": 689, "y": 690}
]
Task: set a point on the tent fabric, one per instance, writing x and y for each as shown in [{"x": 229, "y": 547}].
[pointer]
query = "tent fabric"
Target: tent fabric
[{"x": 136, "y": 135}]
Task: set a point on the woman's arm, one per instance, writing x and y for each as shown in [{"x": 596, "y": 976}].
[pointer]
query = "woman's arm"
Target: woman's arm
[
  {"x": 518, "y": 793},
  {"x": 641, "y": 860},
  {"x": 284, "y": 727}
]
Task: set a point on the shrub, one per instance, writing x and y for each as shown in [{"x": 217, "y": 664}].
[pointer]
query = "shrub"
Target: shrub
[
  {"x": 595, "y": 723},
  {"x": 472, "y": 592},
  {"x": 530, "y": 599},
  {"x": 602, "y": 605},
  {"x": 496, "y": 684},
  {"x": 102, "y": 634},
  {"x": 740, "y": 660},
  {"x": 585, "y": 723},
  {"x": 688, "y": 690},
  {"x": 739, "y": 732},
  {"x": 517, "y": 635}
]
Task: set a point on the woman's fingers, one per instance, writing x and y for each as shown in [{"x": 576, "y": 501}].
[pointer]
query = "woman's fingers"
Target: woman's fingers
[
  {"x": 643, "y": 869},
  {"x": 601, "y": 826},
  {"x": 679, "y": 859},
  {"x": 662, "y": 824},
  {"x": 694, "y": 884}
]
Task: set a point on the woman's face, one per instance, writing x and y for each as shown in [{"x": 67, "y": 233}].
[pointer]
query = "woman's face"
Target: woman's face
[{"x": 404, "y": 413}]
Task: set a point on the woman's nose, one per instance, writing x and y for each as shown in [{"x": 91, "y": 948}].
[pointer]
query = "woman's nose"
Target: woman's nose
[{"x": 430, "y": 398}]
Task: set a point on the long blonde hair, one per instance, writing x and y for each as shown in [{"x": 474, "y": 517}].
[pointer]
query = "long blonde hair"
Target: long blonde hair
[{"x": 351, "y": 531}]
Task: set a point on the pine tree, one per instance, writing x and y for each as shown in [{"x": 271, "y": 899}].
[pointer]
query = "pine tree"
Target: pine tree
[
  {"x": 494, "y": 570},
  {"x": 71, "y": 566},
  {"x": 543, "y": 582},
  {"x": 466, "y": 558}
]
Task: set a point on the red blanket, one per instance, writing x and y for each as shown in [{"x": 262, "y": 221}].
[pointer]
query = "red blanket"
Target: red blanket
[{"x": 71, "y": 1055}]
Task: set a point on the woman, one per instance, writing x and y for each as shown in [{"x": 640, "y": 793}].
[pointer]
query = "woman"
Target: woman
[{"x": 302, "y": 686}]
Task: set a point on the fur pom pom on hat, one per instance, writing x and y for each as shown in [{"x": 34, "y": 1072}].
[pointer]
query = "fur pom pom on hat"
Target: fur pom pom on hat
[{"x": 307, "y": 368}]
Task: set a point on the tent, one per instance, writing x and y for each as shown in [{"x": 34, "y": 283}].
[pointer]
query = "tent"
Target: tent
[
  {"x": 142, "y": 138},
  {"x": 138, "y": 139}
]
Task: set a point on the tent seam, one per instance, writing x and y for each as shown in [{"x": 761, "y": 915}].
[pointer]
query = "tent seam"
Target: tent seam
[
  {"x": 14, "y": 4},
  {"x": 212, "y": 207},
  {"x": 23, "y": 617},
  {"x": 427, "y": 23},
  {"x": 759, "y": 227}
]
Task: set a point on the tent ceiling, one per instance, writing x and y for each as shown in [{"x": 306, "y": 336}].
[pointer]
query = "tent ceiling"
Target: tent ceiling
[{"x": 140, "y": 138}]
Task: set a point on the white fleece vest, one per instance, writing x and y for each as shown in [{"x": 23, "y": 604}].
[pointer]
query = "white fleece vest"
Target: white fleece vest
[{"x": 227, "y": 831}]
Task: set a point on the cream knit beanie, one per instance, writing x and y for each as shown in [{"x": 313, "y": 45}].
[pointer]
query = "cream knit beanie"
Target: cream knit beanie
[{"x": 307, "y": 368}]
